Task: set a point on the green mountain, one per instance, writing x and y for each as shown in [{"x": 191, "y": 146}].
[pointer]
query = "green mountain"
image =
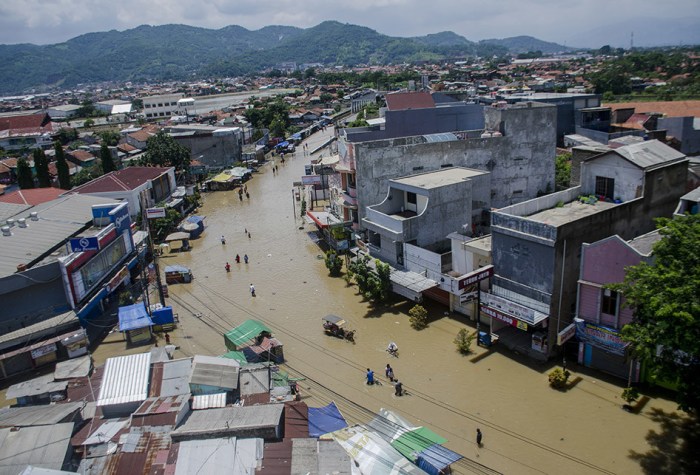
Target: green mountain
[
  {"x": 176, "y": 52},
  {"x": 525, "y": 44}
]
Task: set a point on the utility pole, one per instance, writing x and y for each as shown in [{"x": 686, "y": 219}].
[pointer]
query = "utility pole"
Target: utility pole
[{"x": 145, "y": 220}]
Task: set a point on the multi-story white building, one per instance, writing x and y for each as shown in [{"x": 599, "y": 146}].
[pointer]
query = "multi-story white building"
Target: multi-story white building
[{"x": 161, "y": 106}]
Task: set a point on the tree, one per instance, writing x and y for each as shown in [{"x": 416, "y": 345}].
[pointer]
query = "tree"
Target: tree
[
  {"x": 25, "y": 178},
  {"x": 562, "y": 171},
  {"x": 67, "y": 134},
  {"x": 464, "y": 341},
  {"x": 360, "y": 270},
  {"x": 62, "y": 167},
  {"x": 277, "y": 127},
  {"x": 162, "y": 150},
  {"x": 106, "y": 159},
  {"x": 333, "y": 262},
  {"x": 86, "y": 174},
  {"x": 89, "y": 123},
  {"x": 418, "y": 317},
  {"x": 665, "y": 330},
  {"x": 41, "y": 165},
  {"x": 110, "y": 137},
  {"x": 161, "y": 227}
]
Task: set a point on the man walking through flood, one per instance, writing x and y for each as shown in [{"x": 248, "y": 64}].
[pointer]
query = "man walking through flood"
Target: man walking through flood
[{"x": 370, "y": 376}]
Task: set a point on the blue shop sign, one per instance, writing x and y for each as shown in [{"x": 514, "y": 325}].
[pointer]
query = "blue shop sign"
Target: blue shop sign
[
  {"x": 602, "y": 337},
  {"x": 84, "y": 244}
]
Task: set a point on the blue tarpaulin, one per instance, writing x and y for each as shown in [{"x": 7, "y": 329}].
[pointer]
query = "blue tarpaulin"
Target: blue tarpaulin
[
  {"x": 297, "y": 136},
  {"x": 133, "y": 317},
  {"x": 436, "y": 458},
  {"x": 163, "y": 316},
  {"x": 282, "y": 144},
  {"x": 199, "y": 221},
  {"x": 323, "y": 420}
]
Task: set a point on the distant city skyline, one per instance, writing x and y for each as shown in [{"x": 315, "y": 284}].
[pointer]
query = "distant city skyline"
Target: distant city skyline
[{"x": 587, "y": 23}]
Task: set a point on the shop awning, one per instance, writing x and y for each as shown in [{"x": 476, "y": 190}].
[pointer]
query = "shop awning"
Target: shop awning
[
  {"x": 223, "y": 178},
  {"x": 323, "y": 420},
  {"x": 133, "y": 317},
  {"x": 323, "y": 219},
  {"x": 242, "y": 334}
]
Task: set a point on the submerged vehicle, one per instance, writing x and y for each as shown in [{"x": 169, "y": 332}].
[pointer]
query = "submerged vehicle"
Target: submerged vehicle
[{"x": 334, "y": 325}]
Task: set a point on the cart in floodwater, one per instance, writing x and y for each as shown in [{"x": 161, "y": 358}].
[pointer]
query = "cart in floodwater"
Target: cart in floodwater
[{"x": 334, "y": 325}]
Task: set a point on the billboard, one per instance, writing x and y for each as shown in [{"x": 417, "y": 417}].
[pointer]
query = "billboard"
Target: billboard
[
  {"x": 153, "y": 213},
  {"x": 311, "y": 180}
]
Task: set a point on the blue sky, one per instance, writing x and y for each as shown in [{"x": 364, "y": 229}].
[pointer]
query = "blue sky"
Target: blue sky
[{"x": 589, "y": 23}]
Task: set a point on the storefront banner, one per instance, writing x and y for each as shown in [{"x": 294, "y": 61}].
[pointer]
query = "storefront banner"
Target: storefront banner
[
  {"x": 566, "y": 334},
  {"x": 519, "y": 311},
  {"x": 476, "y": 276},
  {"x": 43, "y": 350},
  {"x": 117, "y": 279},
  {"x": 600, "y": 336},
  {"x": 504, "y": 318}
]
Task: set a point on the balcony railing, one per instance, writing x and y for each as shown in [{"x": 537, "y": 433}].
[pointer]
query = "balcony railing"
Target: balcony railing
[{"x": 384, "y": 220}]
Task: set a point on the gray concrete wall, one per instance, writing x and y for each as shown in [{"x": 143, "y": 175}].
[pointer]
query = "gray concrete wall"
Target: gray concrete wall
[
  {"x": 521, "y": 162},
  {"x": 629, "y": 178},
  {"x": 682, "y": 129},
  {"x": 31, "y": 296},
  {"x": 526, "y": 264},
  {"x": 213, "y": 151}
]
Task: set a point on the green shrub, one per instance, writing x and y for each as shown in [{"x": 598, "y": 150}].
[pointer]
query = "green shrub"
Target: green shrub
[
  {"x": 418, "y": 317},
  {"x": 464, "y": 341},
  {"x": 629, "y": 395},
  {"x": 558, "y": 378},
  {"x": 334, "y": 263}
]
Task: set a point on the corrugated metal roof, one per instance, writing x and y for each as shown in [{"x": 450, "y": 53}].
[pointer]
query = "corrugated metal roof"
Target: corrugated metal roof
[
  {"x": 76, "y": 368},
  {"x": 59, "y": 219},
  {"x": 209, "y": 401},
  {"x": 58, "y": 323},
  {"x": 125, "y": 379},
  {"x": 171, "y": 378},
  {"x": 44, "y": 447},
  {"x": 296, "y": 420},
  {"x": 649, "y": 155},
  {"x": 106, "y": 432},
  {"x": 229, "y": 420},
  {"x": 229, "y": 455},
  {"x": 254, "y": 379},
  {"x": 277, "y": 458},
  {"x": 35, "y": 387},
  {"x": 38, "y": 415},
  {"x": 314, "y": 456},
  {"x": 30, "y": 470},
  {"x": 214, "y": 371}
]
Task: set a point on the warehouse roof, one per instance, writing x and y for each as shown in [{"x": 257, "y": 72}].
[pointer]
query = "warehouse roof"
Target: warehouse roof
[{"x": 125, "y": 379}]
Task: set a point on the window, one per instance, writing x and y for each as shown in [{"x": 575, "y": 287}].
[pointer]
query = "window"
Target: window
[
  {"x": 605, "y": 186},
  {"x": 609, "y": 303},
  {"x": 410, "y": 198}
]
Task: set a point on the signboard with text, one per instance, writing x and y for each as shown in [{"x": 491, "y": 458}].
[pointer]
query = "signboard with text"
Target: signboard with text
[
  {"x": 603, "y": 337},
  {"x": 311, "y": 180},
  {"x": 476, "y": 276},
  {"x": 492, "y": 312},
  {"x": 84, "y": 244},
  {"x": 153, "y": 213},
  {"x": 120, "y": 217},
  {"x": 566, "y": 334}
]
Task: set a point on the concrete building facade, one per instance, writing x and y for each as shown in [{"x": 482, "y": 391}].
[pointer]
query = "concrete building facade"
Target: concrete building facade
[
  {"x": 161, "y": 106},
  {"x": 517, "y": 147},
  {"x": 536, "y": 244}
]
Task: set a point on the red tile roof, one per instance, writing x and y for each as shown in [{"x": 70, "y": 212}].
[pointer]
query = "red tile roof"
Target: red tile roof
[
  {"x": 140, "y": 135},
  {"x": 409, "y": 100},
  {"x": 121, "y": 180},
  {"x": 668, "y": 108},
  {"x": 82, "y": 155},
  {"x": 126, "y": 148},
  {"x": 29, "y": 121},
  {"x": 33, "y": 197}
]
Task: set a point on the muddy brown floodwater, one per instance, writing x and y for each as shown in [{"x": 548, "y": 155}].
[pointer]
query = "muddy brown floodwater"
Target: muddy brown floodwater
[{"x": 527, "y": 427}]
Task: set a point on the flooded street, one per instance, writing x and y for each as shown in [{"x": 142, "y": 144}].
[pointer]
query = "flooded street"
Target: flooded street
[{"x": 528, "y": 427}]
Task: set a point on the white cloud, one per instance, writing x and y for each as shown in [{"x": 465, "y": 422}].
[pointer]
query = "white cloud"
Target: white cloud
[{"x": 51, "y": 21}]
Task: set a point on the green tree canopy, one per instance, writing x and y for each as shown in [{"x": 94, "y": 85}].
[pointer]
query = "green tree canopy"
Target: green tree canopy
[
  {"x": 25, "y": 179},
  {"x": 163, "y": 151},
  {"x": 106, "y": 159},
  {"x": 665, "y": 331},
  {"x": 41, "y": 165},
  {"x": 562, "y": 171},
  {"x": 62, "y": 167}
]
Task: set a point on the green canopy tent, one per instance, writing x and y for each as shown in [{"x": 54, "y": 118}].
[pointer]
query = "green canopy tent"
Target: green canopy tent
[
  {"x": 244, "y": 333},
  {"x": 235, "y": 355}
]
